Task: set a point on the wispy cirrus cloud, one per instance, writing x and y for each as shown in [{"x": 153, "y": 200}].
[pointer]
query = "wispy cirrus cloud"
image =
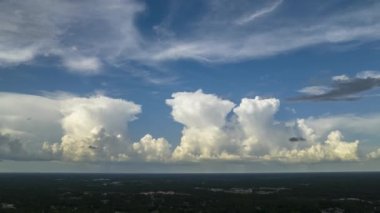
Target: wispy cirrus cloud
[
  {"x": 80, "y": 34},
  {"x": 257, "y": 14},
  {"x": 217, "y": 39},
  {"x": 314, "y": 90},
  {"x": 84, "y": 65},
  {"x": 86, "y": 40}
]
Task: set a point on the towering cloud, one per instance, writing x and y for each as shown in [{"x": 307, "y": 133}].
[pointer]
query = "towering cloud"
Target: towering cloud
[
  {"x": 255, "y": 118},
  {"x": 204, "y": 117},
  {"x": 250, "y": 133},
  {"x": 67, "y": 127},
  {"x": 95, "y": 129},
  {"x": 199, "y": 110},
  {"x": 73, "y": 128}
]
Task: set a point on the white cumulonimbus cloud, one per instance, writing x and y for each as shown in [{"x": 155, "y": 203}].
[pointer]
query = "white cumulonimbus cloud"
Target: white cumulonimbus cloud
[
  {"x": 204, "y": 117},
  {"x": 95, "y": 129},
  {"x": 215, "y": 129},
  {"x": 70, "y": 128}
]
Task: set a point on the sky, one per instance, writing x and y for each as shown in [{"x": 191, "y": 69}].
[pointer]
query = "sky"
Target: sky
[{"x": 189, "y": 86}]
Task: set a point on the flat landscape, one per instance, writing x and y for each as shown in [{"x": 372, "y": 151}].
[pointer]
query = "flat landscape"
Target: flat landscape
[{"x": 300, "y": 192}]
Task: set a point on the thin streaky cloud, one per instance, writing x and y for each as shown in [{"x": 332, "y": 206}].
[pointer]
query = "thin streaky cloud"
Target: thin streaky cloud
[
  {"x": 232, "y": 44},
  {"x": 314, "y": 90},
  {"x": 57, "y": 32},
  {"x": 259, "y": 13}
]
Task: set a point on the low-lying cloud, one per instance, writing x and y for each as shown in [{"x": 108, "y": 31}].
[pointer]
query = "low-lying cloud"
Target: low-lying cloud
[
  {"x": 216, "y": 129},
  {"x": 95, "y": 129},
  {"x": 11, "y": 149}
]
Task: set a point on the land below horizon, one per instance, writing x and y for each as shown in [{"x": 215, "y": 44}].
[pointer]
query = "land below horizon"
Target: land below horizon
[{"x": 266, "y": 192}]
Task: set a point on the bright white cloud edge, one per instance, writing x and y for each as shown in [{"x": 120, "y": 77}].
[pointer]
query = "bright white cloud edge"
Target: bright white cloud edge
[{"x": 95, "y": 129}]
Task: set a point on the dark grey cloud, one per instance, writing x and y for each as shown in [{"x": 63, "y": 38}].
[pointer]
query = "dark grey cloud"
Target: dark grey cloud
[
  {"x": 343, "y": 90},
  {"x": 297, "y": 139},
  {"x": 11, "y": 149},
  {"x": 15, "y": 149}
]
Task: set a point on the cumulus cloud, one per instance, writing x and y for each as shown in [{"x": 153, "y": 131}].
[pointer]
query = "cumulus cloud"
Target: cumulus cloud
[
  {"x": 151, "y": 149},
  {"x": 201, "y": 104},
  {"x": 343, "y": 88},
  {"x": 333, "y": 149},
  {"x": 69, "y": 127},
  {"x": 95, "y": 129},
  {"x": 305, "y": 131},
  {"x": 363, "y": 126},
  {"x": 255, "y": 118},
  {"x": 374, "y": 155},
  {"x": 203, "y": 116},
  {"x": 249, "y": 133}
]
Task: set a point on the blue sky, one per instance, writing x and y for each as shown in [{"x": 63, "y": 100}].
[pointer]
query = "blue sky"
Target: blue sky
[{"x": 189, "y": 85}]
